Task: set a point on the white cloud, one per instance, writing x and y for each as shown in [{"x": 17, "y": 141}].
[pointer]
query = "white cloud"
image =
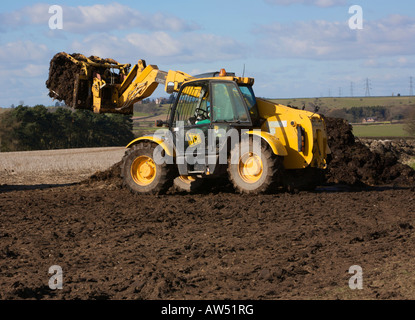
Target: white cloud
[
  {"x": 119, "y": 17},
  {"x": 159, "y": 44},
  {"x": 26, "y": 71},
  {"x": 20, "y": 52},
  {"x": 390, "y": 62},
  {"x": 318, "y": 3},
  {"x": 325, "y": 40},
  {"x": 161, "y": 47},
  {"x": 95, "y": 18},
  {"x": 29, "y": 15}
]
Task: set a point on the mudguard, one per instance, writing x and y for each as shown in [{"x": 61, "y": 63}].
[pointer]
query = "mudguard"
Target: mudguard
[
  {"x": 277, "y": 147},
  {"x": 167, "y": 147}
]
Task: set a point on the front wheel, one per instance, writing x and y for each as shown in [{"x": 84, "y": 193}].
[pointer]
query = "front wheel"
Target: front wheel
[
  {"x": 140, "y": 172},
  {"x": 256, "y": 170}
]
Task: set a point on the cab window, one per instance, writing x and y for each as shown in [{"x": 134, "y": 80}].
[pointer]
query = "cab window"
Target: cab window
[
  {"x": 227, "y": 103},
  {"x": 193, "y": 105},
  {"x": 250, "y": 100}
]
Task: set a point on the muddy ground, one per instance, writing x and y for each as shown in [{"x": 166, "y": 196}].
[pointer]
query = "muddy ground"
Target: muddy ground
[
  {"x": 215, "y": 244},
  {"x": 113, "y": 245}
]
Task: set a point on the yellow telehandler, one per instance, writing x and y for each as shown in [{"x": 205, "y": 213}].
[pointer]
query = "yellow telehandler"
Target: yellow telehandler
[{"x": 216, "y": 128}]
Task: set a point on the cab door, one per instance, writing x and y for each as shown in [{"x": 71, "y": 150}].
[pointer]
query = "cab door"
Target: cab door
[
  {"x": 230, "y": 114},
  {"x": 190, "y": 123}
]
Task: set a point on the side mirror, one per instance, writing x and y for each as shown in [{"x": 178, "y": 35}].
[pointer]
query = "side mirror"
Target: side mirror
[
  {"x": 159, "y": 123},
  {"x": 170, "y": 87}
]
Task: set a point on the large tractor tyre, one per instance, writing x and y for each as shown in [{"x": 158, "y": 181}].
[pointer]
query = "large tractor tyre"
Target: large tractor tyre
[
  {"x": 252, "y": 172},
  {"x": 142, "y": 175},
  {"x": 187, "y": 183}
]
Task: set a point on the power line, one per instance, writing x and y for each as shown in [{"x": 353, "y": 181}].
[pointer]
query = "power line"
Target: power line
[
  {"x": 367, "y": 88},
  {"x": 411, "y": 87}
]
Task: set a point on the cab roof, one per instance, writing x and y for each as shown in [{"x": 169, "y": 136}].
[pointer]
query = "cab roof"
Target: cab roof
[{"x": 223, "y": 75}]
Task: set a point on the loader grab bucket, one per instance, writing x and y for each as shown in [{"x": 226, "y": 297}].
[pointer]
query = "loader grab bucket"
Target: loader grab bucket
[{"x": 71, "y": 78}]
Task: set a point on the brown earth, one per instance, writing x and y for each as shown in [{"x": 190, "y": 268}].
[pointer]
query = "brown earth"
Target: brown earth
[
  {"x": 215, "y": 244},
  {"x": 113, "y": 245}
]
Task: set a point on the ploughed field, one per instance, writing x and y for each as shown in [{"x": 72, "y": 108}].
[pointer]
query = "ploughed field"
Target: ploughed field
[{"x": 214, "y": 244}]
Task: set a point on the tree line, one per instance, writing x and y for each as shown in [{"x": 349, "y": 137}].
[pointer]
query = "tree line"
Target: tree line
[
  {"x": 381, "y": 113},
  {"x": 26, "y": 128}
]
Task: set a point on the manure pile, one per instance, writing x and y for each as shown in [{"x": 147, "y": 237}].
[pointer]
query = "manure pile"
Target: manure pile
[{"x": 353, "y": 163}]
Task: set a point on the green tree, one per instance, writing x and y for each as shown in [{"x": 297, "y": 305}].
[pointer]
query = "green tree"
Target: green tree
[
  {"x": 37, "y": 128},
  {"x": 8, "y": 131}
]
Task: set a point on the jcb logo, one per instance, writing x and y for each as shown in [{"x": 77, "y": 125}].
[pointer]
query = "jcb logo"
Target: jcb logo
[{"x": 193, "y": 139}]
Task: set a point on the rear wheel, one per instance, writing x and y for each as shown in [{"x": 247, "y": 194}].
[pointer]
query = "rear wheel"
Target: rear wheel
[
  {"x": 256, "y": 170},
  {"x": 140, "y": 172}
]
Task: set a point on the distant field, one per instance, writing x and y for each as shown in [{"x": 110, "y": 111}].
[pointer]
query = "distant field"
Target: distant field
[
  {"x": 379, "y": 130},
  {"x": 348, "y": 102},
  {"x": 56, "y": 166},
  {"x": 141, "y": 114}
]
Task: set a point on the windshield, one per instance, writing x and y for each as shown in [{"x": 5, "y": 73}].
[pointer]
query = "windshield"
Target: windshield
[{"x": 249, "y": 96}]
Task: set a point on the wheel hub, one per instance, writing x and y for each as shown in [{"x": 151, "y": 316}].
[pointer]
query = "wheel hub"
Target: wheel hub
[
  {"x": 143, "y": 170},
  {"x": 250, "y": 168}
]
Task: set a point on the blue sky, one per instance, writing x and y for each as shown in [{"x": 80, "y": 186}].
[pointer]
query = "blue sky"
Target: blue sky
[{"x": 293, "y": 48}]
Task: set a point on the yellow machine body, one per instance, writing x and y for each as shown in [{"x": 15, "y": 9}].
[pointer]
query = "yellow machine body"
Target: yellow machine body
[
  {"x": 302, "y": 133},
  {"x": 297, "y": 135}
]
